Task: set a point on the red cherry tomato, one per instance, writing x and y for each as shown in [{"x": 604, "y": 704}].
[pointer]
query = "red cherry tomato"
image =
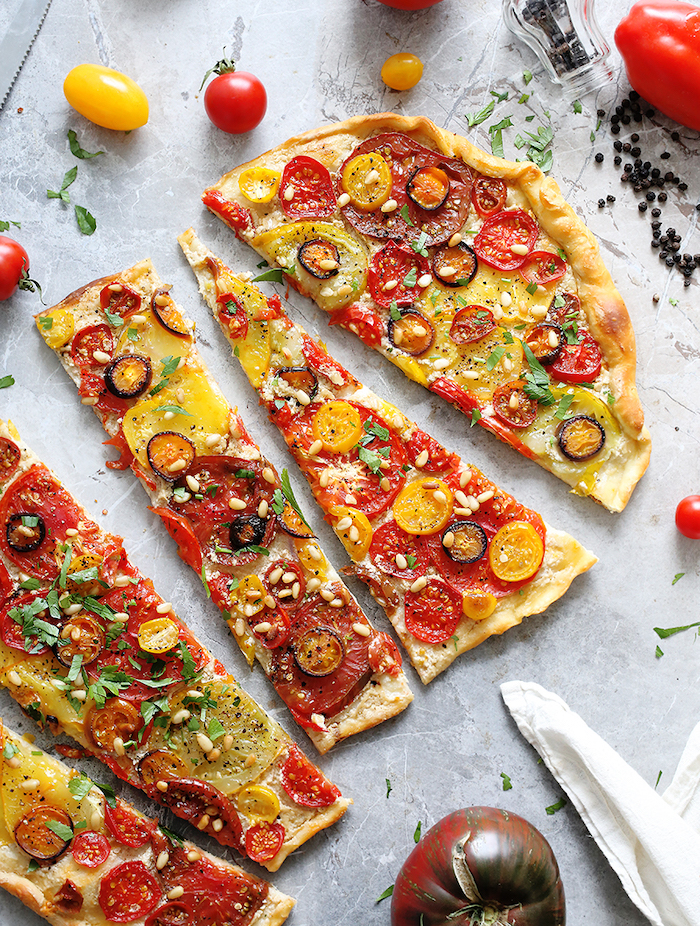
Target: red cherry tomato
[
  {"x": 311, "y": 189},
  {"x": 235, "y": 102},
  {"x": 390, "y": 539},
  {"x": 578, "y": 363},
  {"x": 489, "y": 195},
  {"x": 410, "y": 4},
  {"x": 90, "y": 849},
  {"x": 542, "y": 267},
  {"x": 398, "y": 269},
  {"x": 14, "y": 266},
  {"x": 366, "y": 324},
  {"x": 500, "y": 233},
  {"x": 688, "y": 517},
  {"x": 87, "y": 341},
  {"x": 128, "y": 892},
  {"x": 263, "y": 841},
  {"x": 127, "y": 827},
  {"x": 433, "y": 613},
  {"x": 513, "y": 405}
]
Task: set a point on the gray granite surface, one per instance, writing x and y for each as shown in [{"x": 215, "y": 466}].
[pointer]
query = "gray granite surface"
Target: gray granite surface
[{"x": 320, "y": 61}]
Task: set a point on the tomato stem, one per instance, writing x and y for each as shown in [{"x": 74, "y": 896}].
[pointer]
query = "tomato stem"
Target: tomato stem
[{"x": 224, "y": 66}]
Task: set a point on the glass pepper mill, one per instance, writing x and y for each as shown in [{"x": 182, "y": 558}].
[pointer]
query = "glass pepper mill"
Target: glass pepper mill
[{"x": 566, "y": 38}]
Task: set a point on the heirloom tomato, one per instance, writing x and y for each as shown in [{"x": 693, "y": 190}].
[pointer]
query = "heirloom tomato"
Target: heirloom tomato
[
  {"x": 106, "y": 97},
  {"x": 480, "y": 865}
]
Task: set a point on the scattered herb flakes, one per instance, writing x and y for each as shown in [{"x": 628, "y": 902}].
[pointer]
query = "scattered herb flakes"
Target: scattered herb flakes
[
  {"x": 658, "y": 779},
  {"x": 664, "y": 632},
  {"x": 531, "y": 288},
  {"x": 476, "y": 416},
  {"x": 577, "y": 106},
  {"x": 86, "y": 221},
  {"x": 552, "y": 809},
  {"x": 274, "y": 275},
  {"x": 592, "y": 136},
  {"x": 204, "y": 581},
  {"x": 519, "y": 141},
  {"x": 678, "y": 575},
  {"x": 524, "y": 98},
  {"x": 483, "y": 114},
  {"x": 411, "y": 278},
  {"x": 659, "y": 652},
  {"x": 417, "y": 831},
  {"x": 419, "y": 245},
  {"x": 403, "y": 212},
  {"x": 387, "y": 893},
  {"x": 527, "y": 77},
  {"x": 6, "y": 381},
  {"x": 507, "y": 785},
  {"x": 389, "y": 789},
  {"x": 564, "y": 404},
  {"x": 674, "y": 302},
  {"x": 77, "y": 150},
  {"x": 80, "y": 786},
  {"x": 5, "y": 225},
  {"x": 494, "y": 358},
  {"x": 68, "y": 178},
  {"x": 500, "y": 97}
]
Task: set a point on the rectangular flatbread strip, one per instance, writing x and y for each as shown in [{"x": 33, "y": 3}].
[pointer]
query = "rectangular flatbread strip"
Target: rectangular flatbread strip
[
  {"x": 499, "y": 275},
  {"x": 88, "y": 647},
  {"x": 451, "y": 557},
  {"x": 235, "y": 520},
  {"x": 79, "y": 857}
]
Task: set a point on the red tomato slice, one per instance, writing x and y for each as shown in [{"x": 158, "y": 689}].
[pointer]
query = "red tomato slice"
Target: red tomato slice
[
  {"x": 472, "y": 323},
  {"x": 363, "y": 322},
  {"x": 513, "y": 405},
  {"x": 310, "y": 694},
  {"x": 390, "y": 539},
  {"x": 87, "y": 341},
  {"x": 542, "y": 267},
  {"x": 439, "y": 459},
  {"x": 6, "y": 584},
  {"x": 400, "y": 266},
  {"x": 174, "y": 913},
  {"x": 235, "y": 216},
  {"x": 10, "y": 456},
  {"x": 128, "y": 892},
  {"x": 578, "y": 363},
  {"x": 90, "y": 849},
  {"x": 119, "y": 442},
  {"x": 127, "y": 827},
  {"x": 349, "y": 475},
  {"x": 433, "y": 613},
  {"x": 568, "y": 311},
  {"x": 181, "y": 531},
  {"x": 92, "y": 386},
  {"x": 233, "y": 315},
  {"x": 384, "y": 655},
  {"x": 500, "y": 232},
  {"x": 263, "y": 841},
  {"x": 292, "y": 574},
  {"x": 123, "y": 301},
  {"x": 313, "y": 196},
  {"x": 489, "y": 195},
  {"x": 11, "y": 630},
  {"x": 304, "y": 783}
]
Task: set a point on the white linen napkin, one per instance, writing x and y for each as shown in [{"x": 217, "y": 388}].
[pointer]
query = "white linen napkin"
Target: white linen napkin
[{"x": 652, "y": 842}]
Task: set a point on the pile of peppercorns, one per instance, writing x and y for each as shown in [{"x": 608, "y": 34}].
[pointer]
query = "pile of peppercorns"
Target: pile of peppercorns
[{"x": 647, "y": 179}]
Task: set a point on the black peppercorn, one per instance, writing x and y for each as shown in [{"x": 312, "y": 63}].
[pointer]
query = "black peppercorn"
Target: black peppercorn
[
  {"x": 617, "y": 160},
  {"x": 599, "y": 158},
  {"x": 675, "y": 136},
  {"x": 627, "y": 146},
  {"x": 655, "y": 244},
  {"x": 683, "y": 187},
  {"x": 601, "y": 203},
  {"x": 600, "y": 113},
  {"x": 663, "y": 255},
  {"x": 669, "y": 262},
  {"x": 636, "y": 151},
  {"x": 634, "y": 137},
  {"x": 662, "y": 197},
  {"x": 610, "y": 198},
  {"x": 651, "y": 197},
  {"x": 642, "y": 206},
  {"x": 665, "y": 155},
  {"x": 615, "y": 129},
  {"x": 650, "y": 113},
  {"x": 617, "y": 145},
  {"x": 625, "y": 120}
]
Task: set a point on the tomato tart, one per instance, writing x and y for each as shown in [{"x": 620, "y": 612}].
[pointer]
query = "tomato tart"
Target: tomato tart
[
  {"x": 88, "y": 647},
  {"x": 130, "y": 350},
  {"x": 469, "y": 272},
  {"x": 78, "y": 856},
  {"x": 451, "y": 557}
]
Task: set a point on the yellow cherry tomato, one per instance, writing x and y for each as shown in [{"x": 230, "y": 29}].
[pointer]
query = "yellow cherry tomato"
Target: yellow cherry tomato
[
  {"x": 250, "y": 594},
  {"x": 477, "y": 604},
  {"x": 356, "y": 536},
  {"x": 423, "y": 506},
  {"x": 56, "y": 327},
  {"x": 158, "y": 635},
  {"x": 258, "y": 184},
  {"x": 106, "y": 97},
  {"x": 402, "y": 71},
  {"x": 259, "y": 802},
  {"x": 312, "y": 559},
  {"x": 338, "y": 426},
  {"x": 367, "y": 181},
  {"x": 516, "y": 552}
]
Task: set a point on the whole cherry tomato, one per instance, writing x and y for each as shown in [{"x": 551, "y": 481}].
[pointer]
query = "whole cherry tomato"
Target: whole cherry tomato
[
  {"x": 235, "y": 101},
  {"x": 14, "y": 268},
  {"x": 106, "y": 97},
  {"x": 688, "y": 517},
  {"x": 402, "y": 71},
  {"x": 409, "y": 4},
  {"x": 658, "y": 41}
]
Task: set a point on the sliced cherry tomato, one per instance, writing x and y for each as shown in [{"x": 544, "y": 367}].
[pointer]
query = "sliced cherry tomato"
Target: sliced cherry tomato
[
  {"x": 513, "y": 405},
  {"x": 128, "y": 892},
  {"x": 367, "y": 181},
  {"x": 439, "y": 460},
  {"x": 233, "y": 315},
  {"x": 564, "y": 309},
  {"x": 688, "y": 517},
  {"x": 516, "y": 552},
  {"x": 93, "y": 386},
  {"x": 384, "y": 656},
  {"x": 34, "y": 835},
  {"x": 128, "y": 827},
  {"x": 363, "y": 322},
  {"x": 286, "y": 582},
  {"x": 391, "y": 542},
  {"x": 542, "y": 267},
  {"x": 181, "y": 531},
  {"x": 545, "y": 341},
  {"x": 394, "y": 274},
  {"x": 120, "y": 299},
  {"x": 456, "y": 265},
  {"x": 264, "y": 840},
  {"x": 402, "y": 71},
  {"x": 578, "y": 363},
  {"x": 173, "y": 913},
  {"x": 81, "y": 635},
  {"x": 580, "y": 437},
  {"x": 306, "y": 190},
  {"x": 91, "y": 849},
  {"x": 91, "y": 339},
  {"x": 161, "y": 765},
  {"x": 235, "y": 216},
  {"x": 489, "y": 195},
  {"x": 338, "y": 426},
  {"x": 259, "y": 184},
  {"x": 201, "y": 803},
  {"x": 170, "y": 454},
  {"x": 29, "y": 606},
  {"x": 428, "y": 187},
  {"x": 355, "y": 535},
  {"x": 167, "y": 313},
  {"x": 158, "y": 636},
  {"x": 432, "y": 614},
  {"x": 411, "y": 332},
  {"x": 10, "y": 455},
  {"x": 118, "y": 719},
  {"x": 472, "y": 323},
  {"x": 235, "y": 101},
  {"x": 304, "y": 783},
  {"x": 423, "y": 506},
  {"x": 258, "y": 802},
  {"x": 503, "y": 231}
]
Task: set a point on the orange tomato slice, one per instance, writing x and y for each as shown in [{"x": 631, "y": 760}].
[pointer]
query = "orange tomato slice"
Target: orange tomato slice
[
  {"x": 338, "y": 426},
  {"x": 423, "y": 506},
  {"x": 516, "y": 552}
]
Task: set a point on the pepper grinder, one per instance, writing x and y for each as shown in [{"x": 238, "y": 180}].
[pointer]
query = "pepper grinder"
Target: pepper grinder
[{"x": 566, "y": 38}]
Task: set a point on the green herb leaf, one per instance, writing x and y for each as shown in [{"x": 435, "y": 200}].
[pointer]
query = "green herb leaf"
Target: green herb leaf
[
  {"x": 678, "y": 575},
  {"x": 411, "y": 278},
  {"x": 289, "y": 495},
  {"x": 519, "y": 141},
  {"x": 60, "y": 829},
  {"x": 419, "y": 245},
  {"x": 476, "y": 416},
  {"x": 387, "y": 893},
  {"x": 6, "y": 381},
  {"x": 403, "y": 212},
  {"x": 592, "y": 136},
  {"x": 215, "y": 730},
  {"x": 33, "y": 865},
  {"x": 416, "y": 834},
  {"x": 483, "y": 114},
  {"x": 552, "y": 809},
  {"x": 507, "y": 786},
  {"x": 659, "y": 652},
  {"x": 5, "y": 226},
  {"x": 46, "y": 323},
  {"x": 174, "y": 837},
  {"x": 564, "y": 405},
  {"x": 394, "y": 311},
  {"x": 189, "y": 666},
  {"x": 80, "y": 786},
  {"x": 577, "y": 106},
  {"x": 389, "y": 789},
  {"x": 494, "y": 357},
  {"x": 411, "y": 560},
  {"x": 11, "y": 750},
  {"x": 175, "y": 409},
  {"x": 537, "y": 384},
  {"x": 86, "y": 221},
  {"x": 658, "y": 779},
  {"x": 274, "y": 275},
  {"x": 370, "y": 459},
  {"x": 500, "y": 97},
  {"x": 108, "y": 791},
  {"x": 664, "y": 632},
  {"x": 527, "y": 77},
  {"x": 77, "y": 150}
]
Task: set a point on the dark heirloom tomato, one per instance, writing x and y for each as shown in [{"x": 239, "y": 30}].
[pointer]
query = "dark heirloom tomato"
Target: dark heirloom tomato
[
  {"x": 304, "y": 783},
  {"x": 128, "y": 892},
  {"x": 411, "y": 332},
  {"x": 545, "y": 341},
  {"x": 480, "y": 865},
  {"x": 311, "y": 189},
  {"x": 578, "y": 363},
  {"x": 513, "y": 405},
  {"x": 489, "y": 195},
  {"x": 34, "y": 836},
  {"x": 472, "y": 323},
  {"x": 432, "y": 614},
  {"x": 365, "y": 323},
  {"x": 565, "y": 307},
  {"x": 128, "y": 376},
  {"x": 200, "y": 803},
  {"x": 233, "y": 315},
  {"x": 456, "y": 265},
  {"x": 428, "y": 187},
  {"x": 87, "y": 341},
  {"x": 503, "y": 231},
  {"x": 394, "y": 274},
  {"x": 319, "y": 258},
  {"x": 581, "y": 437},
  {"x": 167, "y": 313},
  {"x": 118, "y": 299}
]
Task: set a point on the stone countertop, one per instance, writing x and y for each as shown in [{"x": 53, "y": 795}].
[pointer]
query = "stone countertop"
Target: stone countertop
[{"x": 320, "y": 61}]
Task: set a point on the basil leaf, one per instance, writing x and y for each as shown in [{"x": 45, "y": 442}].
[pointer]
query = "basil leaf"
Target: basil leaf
[
  {"x": 552, "y": 809},
  {"x": 60, "y": 829},
  {"x": 507, "y": 786},
  {"x": 77, "y": 150},
  {"x": 387, "y": 893},
  {"x": 80, "y": 786},
  {"x": 389, "y": 789},
  {"x": 664, "y": 632},
  {"x": 289, "y": 495},
  {"x": 416, "y": 834},
  {"x": 274, "y": 275},
  {"x": 6, "y": 381},
  {"x": 483, "y": 114},
  {"x": 86, "y": 222}
]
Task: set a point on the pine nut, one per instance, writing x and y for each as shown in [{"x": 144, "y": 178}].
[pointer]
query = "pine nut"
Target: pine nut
[
  {"x": 118, "y": 746},
  {"x": 465, "y": 477},
  {"x": 263, "y": 508},
  {"x": 162, "y": 786},
  {"x": 448, "y": 540},
  {"x": 179, "y": 891},
  {"x": 204, "y": 743},
  {"x": 419, "y": 584},
  {"x": 275, "y": 575},
  {"x": 343, "y": 199},
  {"x": 31, "y": 784},
  {"x": 485, "y": 496},
  {"x": 236, "y": 504},
  {"x": 344, "y": 524},
  {"x": 401, "y": 561},
  {"x": 454, "y": 240},
  {"x": 162, "y": 860},
  {"x": 315, "y": 448},
  {"x": 268, "y": 475},
  {"x": 361, "y": 629},
  {"x": 212, "y": 439},
  {"x": 424, "y": 280},
  {"x": 192, "y": 483},
  {"x": 422, "y": 458},
  {"x": 520, "y": 249},
  {"x": 389, "y": 206}
]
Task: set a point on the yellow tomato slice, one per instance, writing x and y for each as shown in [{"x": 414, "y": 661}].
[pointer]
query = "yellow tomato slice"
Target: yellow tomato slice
[
  {"x": 158, "y": 635},
  {"x": 259, "y": 802},
  {"x": 259, "y": 184},
  {"x": 312, "y": 558},
  {"x": 357, "y": 535},
  {"x": 59, "y": 330},
  {"x": 338, "y": 426},
  {"x": 477, "y": 605},
  {"x": 423, "y": 506},
  {"x": 86, "y": 586},
  {"x": 367, "y": 181},
  {"x": 516, "y": 552},
  {"x": 250, "y": 594}
]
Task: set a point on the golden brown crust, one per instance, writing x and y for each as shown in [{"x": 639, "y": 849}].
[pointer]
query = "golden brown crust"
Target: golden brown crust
[{"x": 602, "y": 304}]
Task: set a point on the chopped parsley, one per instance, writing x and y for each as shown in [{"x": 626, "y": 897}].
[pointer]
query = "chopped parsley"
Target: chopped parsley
[
  {"x": 60, "y": 829},
  {"x": 577, "y": 106},
  {"x": 531, "y": 288},
  {"x": 5, "y": 225},
  {"x": 245, "y": 474},
  {"x": 552, "y": 809},
  {"x": 496, "y": 133},
  {"x": 483, "y": 114},
  {"x": 411, "y": 278},
  {"x": 659, "y": 652},
  {"x": 80, "y": 786},
  {"x": 86, "y": 221},
  {"x": 476, "y": 416},
  {"x": 46, "y": 322},
  {"x": 68, "y": 179},
  {"x": 174, "y": 837},
  {"x": 189, "y": 667},
  {"x": 6, "y": 381},
  {"x": 564, "y": 404},
  {"x": 494, "y": 358},
  {"x": 11, "y": 750},
  {"x": 678, "y": 575},
  {"x": 419, "y": 246},
  {"x": 370, "y": 459},
  {"x": 403, "y": 212},
  {"x": 289, "y": 495},
  {"x": 387, "y": 893},
  {"x": 664, "y": 632},
  {"x": 215, "y": 730},
  {"x": 537, "y": 384},
  {"x": 394, "y": 311},
  {"x": 527, "y": 77},
  {"x": 32, "y": 866},
  {"x": 389, "y": 789},
  {"x": 175, "y": 409},
  {"x": 411, "y": 560},
  {"x": 507, "y": 786},
  {"x": 417, "y": 831},
  {"x": 79, "y": 152},
  {"x": 204, "y": 581}
]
